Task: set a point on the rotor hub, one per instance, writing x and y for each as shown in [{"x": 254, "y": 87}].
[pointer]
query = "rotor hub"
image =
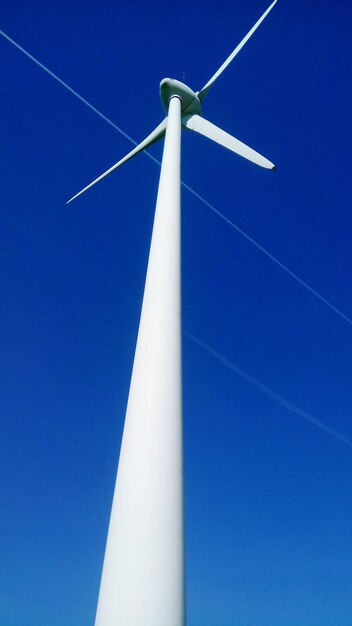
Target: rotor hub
[{"x": 190, "y": 103}]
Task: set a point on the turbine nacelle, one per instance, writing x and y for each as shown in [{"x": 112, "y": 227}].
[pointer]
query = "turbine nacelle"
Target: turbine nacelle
[{"x": 190, "y": 103}]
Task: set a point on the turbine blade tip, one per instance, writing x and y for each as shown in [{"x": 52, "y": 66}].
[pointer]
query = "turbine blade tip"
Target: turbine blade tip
[{"x": 274, "y": 168}]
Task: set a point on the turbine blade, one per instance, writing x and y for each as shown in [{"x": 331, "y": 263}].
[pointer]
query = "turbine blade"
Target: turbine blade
[
  {"x": 204, "y": 91},
  {"x": 206, "y": 128},
  {"x": 156, "y": 134}
]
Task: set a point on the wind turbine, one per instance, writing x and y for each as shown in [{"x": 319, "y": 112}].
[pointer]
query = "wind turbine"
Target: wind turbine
[{"x": 143, "y": 574}]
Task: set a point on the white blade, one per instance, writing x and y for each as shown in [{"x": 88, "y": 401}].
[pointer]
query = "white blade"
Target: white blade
[
  {"x": 202, "y": 126},
  {"x": 203, "y": 92},
  {"x": 156, "y": 134}
]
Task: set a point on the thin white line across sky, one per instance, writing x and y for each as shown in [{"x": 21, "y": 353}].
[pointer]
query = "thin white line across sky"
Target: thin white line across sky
[
  {"x": 267, "y": 391},
  {"x": 73, "y": 261},
  {"x": 190, "y": 189},
  {"x": 217, "y": 355}
]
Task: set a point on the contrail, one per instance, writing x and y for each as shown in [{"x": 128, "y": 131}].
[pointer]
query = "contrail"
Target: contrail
[
  {"x": 74, "y": 93},
  {"x": 75, "y": 263},
  {"x": 269, "y": 255},
  {"x": 267, "y": 391},
  {"x": 190, "y": 189}
]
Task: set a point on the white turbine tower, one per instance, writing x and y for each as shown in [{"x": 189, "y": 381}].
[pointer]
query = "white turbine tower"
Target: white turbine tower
[{"x": 143, "y": 575}]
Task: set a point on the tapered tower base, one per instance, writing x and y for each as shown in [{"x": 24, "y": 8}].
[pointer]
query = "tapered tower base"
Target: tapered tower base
[{"x": 143, "y": 575}]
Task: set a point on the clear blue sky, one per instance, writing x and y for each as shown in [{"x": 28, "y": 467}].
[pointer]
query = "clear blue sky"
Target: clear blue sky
[{"x": 268, "y": 493}]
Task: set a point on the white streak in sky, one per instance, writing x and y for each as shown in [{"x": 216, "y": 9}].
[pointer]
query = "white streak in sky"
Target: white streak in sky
[
  {"x": 74, "y": 262},
  {"x": 73, "y": 91},
  {"x": 269, "y": 255},
  {"x": 267, "y": 391},
  {"x": 192, "y": 191}
]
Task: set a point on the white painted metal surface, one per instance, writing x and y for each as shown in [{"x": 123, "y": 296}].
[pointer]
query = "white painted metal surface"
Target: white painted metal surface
[
  {"x": 154, "y": 136},
  {"x": 204, "y": 91},
  {"x": 204, "y": 127},
  {"x": 143, "y": 575}
]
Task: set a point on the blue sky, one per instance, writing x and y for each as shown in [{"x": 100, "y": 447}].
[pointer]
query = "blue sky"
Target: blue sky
[{"x": 268, "y": 492}]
